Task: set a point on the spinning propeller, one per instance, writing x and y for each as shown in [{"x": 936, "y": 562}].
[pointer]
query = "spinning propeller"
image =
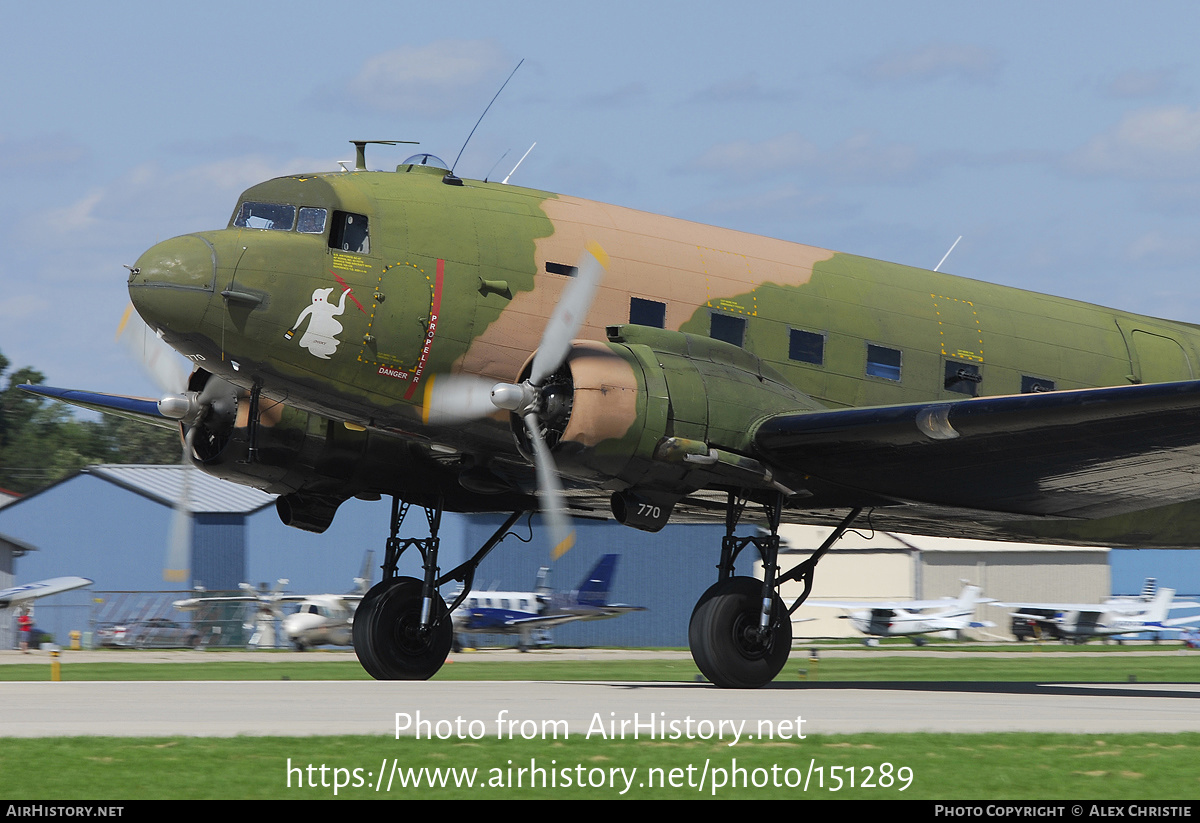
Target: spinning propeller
[
  {"x": 214, "y": 400},
  {"x": 537, "y": 399}
]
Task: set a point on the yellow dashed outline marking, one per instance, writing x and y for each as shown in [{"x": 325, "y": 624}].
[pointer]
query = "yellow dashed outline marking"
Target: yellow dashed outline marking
[
  {"x": 961, "y": 354},
  {"x": 364, "y": 348},
  {"x": 730, "y": 305}
]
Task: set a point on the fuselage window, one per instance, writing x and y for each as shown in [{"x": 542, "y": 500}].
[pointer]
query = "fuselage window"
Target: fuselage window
[
  {"x": 963, "y": 378},
  {"x": 647, "y": 312},
  {"x": 273, "y": 216},
  {"x": 349, "y": 233},
  {"x": 1030, "y": 385},
  {"x": 312, "y": 220},
  {"x": 728, "y": 328},
  {"x": 883, "y": 362},
  {"x": 807, "y": 347}
]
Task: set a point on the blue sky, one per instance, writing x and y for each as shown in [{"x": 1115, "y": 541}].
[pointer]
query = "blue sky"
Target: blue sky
[{"x": 1062, "y": 140}]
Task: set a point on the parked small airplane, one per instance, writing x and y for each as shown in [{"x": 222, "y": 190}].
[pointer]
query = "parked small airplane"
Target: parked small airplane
[
  {"x": 913, "y": 617},
  {"x": 321, "y": 620},
  {"x": 1079, "y": 622},
  {"x": 42, "y": 588},
  {"x": 529, "y": 613}
]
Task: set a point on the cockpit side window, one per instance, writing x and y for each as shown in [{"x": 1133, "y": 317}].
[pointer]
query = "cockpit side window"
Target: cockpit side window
[
  {"x": 272, "y": 216},
  {"x": 349, "y": 233},
  {"x": 312, "y": 220}
]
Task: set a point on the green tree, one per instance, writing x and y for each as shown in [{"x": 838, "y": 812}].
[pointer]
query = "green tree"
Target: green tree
[{"x": 41, "y": 441}]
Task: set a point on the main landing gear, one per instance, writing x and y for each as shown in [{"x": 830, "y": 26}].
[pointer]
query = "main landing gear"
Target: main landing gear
[
  {"x": 402, "y": 628},
  {"x": 740, "y": 633}
]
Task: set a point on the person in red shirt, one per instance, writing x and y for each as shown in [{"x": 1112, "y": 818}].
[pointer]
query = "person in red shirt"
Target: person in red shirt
[{"x": 25, "y": 625}]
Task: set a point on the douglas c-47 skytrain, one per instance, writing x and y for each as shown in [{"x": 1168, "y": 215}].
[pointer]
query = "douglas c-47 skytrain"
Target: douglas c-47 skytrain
[{"x": 468, "y": 346}]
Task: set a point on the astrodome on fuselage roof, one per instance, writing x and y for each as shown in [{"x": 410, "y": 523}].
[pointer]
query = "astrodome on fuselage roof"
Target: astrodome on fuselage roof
[{"x": 425, "y": 159}]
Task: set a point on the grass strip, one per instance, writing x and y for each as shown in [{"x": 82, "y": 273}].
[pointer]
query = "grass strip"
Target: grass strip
[
  {"x": 1029, "y": 668},
  {"x": 1010, "y": 766}
]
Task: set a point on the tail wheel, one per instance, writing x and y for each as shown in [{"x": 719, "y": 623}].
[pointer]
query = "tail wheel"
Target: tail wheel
[
  {"x": 725, "y": 640},
  {"x": 388, "y": 637}
]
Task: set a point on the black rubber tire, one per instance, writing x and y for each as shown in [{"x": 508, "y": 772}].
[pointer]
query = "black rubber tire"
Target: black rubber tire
[
  {"x": 388, "y": 639},
  {"x": 722, "y": 635},
  {"x": 363, "y": 617}
]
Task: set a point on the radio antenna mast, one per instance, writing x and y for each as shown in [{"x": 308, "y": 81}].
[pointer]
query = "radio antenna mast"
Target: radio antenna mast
[
  {"x": 519, "y": 162},
  {"x": 450, "y": 178},
  {"x": 947, "y": 254}
]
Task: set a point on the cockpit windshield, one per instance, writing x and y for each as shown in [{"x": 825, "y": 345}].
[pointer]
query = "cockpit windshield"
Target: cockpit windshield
[{"x": 273, "y": 216}]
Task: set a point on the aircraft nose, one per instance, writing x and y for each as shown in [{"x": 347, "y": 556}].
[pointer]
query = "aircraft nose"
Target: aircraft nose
[
  {"x": 173, "y": 280},
  {"x": 189, "y": 261}
]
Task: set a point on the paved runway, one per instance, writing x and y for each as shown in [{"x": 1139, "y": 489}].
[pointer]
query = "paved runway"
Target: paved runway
[{"x": 359, "y": 707}]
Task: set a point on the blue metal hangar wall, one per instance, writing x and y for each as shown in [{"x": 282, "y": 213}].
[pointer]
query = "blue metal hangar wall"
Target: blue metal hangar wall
[{"x": 113, "y": 524}]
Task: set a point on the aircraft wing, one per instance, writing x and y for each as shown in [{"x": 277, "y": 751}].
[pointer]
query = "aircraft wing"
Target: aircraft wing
[
  {"x": 42, "y": 588},
  {"x": 598, "y": 613},
  {"x": 895, "y": 605},
  {"x": 847, "y": 604},
  {"x": 192, "y": 603},
  {"x": 544, "y": 622},
  {"x": 1086, "y": 453},
  {"x": 1186, "y": 622},
  {"x": 1082, "y": 608},
  {"x": 142, "y": 409}
]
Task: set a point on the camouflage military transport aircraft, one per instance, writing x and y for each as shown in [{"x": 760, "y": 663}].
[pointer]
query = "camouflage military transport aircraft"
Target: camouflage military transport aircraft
[{"x": 440, "y": 341}]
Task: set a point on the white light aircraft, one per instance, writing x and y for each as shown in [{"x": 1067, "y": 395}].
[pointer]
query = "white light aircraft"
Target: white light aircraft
[
  {"x": 321, "y": 620},
  {"x": 1081, "y": 621},
  {"x": 913, "y": 617}
]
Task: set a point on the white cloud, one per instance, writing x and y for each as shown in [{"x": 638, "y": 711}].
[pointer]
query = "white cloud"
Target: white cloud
[
  {"x": 25, "y": 308},
  {"x": 860, "y": 158},
  {"x": 74, "y": 217},
  {"x": 39, "y": 154},
  {"x": 89, "y": 238},
  {"x": 744, "y": 89},
  {"x": 789, "y": 150},
  {"x": 437, "y": 79},
  {"x": 1159, "y": 248},
  {"x": 934, "y": 62},
  {"x": 621, "y": 96},
  {"x": 1152, "y": 143},
  {"x": 1135, "y": 83},
  {"x": 149, "y": 194}
]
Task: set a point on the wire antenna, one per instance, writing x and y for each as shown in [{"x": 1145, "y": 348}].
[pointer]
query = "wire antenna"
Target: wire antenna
[
  {"x": 497, "y": 163},
  {"x": 450, "y": 178}
]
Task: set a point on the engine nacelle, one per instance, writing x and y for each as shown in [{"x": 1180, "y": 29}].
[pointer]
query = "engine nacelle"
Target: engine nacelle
[
  {"x": 312, "y": 462},
  {"x": 656, "y": 414}
]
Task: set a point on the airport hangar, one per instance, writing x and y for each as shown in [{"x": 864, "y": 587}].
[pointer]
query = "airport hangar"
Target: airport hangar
[{"x": 111, "y": 524}]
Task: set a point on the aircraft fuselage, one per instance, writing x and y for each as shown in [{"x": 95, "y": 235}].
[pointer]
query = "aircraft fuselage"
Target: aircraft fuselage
[{"x": 342, "y": 294}]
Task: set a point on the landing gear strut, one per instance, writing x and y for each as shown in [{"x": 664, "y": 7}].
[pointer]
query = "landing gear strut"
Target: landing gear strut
[
  {"x": 402, "y": 628},
  {"x": 740, "y": 633}
]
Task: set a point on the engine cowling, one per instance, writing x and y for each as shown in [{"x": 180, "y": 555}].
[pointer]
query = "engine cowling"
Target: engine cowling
[{"x": 654, "y": 414}]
